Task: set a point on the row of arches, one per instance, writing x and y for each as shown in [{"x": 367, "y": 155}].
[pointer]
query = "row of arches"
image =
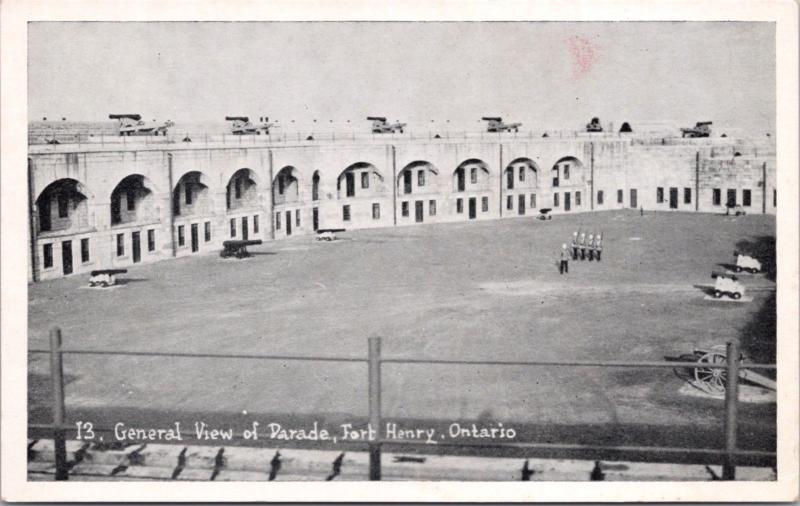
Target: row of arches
[{"x": 64, "y": 204}]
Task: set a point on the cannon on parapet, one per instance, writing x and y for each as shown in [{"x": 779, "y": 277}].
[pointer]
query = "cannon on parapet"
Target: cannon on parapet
[
  {"x": 495, "y": 124},
  {"x": 132, "y": 124},
  {"x": 594, "y": 125},
  {"x": 242, "y": 126},
  {"x": 381, "y": 126},
  {"x": 701, "y": 129}
]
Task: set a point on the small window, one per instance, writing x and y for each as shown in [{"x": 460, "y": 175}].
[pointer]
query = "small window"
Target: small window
[
  {"x": 297, "y": 218},
  {"x": 207, "y": 231},
  {"x": 746, "y": 197},
  {"x": 376, "y": 211},
  {"x": 717, "y": 196},
  {"x": 510, "y": 202},
  {"x": 63, "y": 205},
  {"x": 687, "y": 195},
  {"x": 473, "y": 175},
  {"x": 280, "y": 185},
  {"x": 277, "y": 221},
  {"x": 432, "y": 208},
  {"x": 619, "y": 196},
  {"x": 555, "y": 200},
  {"x": 600, "y": 197},
  {"x": 421, "y": 178},
  {"x": 233, "y": 227},
  {"x": 130, "y": 198},
  {"x": 566, "y": 171},
  {"x": 121, "y": 243},
  {"x": 510, "y": 179},
  {"x": 151, "y": 240},
  {"x": 47, "y": 253},
  {"x": 533, "y": 201},
  {"x": 555, "y": 182},
  {"x": 181, "y": 236},
  {"x": 346, "y": 213},
  {"x": 365, "y": 180},
  {"x": 522, "y": 174},
  {"x": 84, "y": 250},
  {"x": 459, "y": 206},
  {"x": 485, "y": 204},
  {"x": 577, "y": 198},
  {"x": 255, "y": 224},
  {"x": 188, "y": 194},
  {"x": 659, "y": 195},
  {"x": 404, "y": 209}
]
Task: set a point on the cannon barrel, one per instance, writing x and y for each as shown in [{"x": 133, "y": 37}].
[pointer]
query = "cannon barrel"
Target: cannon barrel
[
  {"x": 235, "y": 118},
  {"x": 376, "y": 118},
  {"x": 492, "y": 118},
  {"x": 136, "y": 117}
]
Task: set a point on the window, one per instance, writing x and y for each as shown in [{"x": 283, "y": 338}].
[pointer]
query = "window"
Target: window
[
  {"x": 255, "y": 224},
  {"x": 237, "y": 188},
  {"x": 522, "y": 174},
  {"x": 746, "y": 196},
  {"x": 473, "y": 175},
  {"x": 207, "y": 231},
  {"x": 47, "y": 253},
  {"x": 577, "y": 198},
  {"x": 510, "y": 179},
  {"x": 566, "y": 171},
  {"x": 84, "y": 250},
  {"x": 280, "y": 185},
  {"x": 731, "y": 198},
  {"x": 233, "y": 227},
  {"x": 555, "y": 181},
  {"x": 346, "y": 213},
  {"x": 421, "y": 178},
  {"x": 533, "y": 200},
  {"x": 432, "y": 208},
  {"x": 188, "y": 192},
  {"x": 555, "y": 200},
  {"x": 63, "y": 202},
  {"x": 619, "y": 196},
  {"x": 659, "y": 195},
  {"x": 459, "y": 206},
  {"x": 121, "y": 243},
  {"x": 376, "y": 211},
  {"x": 404, "y": 209},
  {"x": 130, "y": 199},
  {"x": 297, "y": 218},
  {"x": 717, "y": 198},
  {"x": 600, "y": 198},
  {"x": 278, "y": 221},
  {"x": 151, "y": 240},
  {"x": 181, "y": 236},
  {"x": 687, "y": 195},
  {"x": 485, "y": 204},
  {"x": 365, "y": 180},
  {"x": 510, "y": 202}
]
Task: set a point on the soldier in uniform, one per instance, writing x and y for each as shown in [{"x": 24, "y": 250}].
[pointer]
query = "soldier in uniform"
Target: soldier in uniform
[
  {"x": 598, "y": 245},
  {"x": 563, "y": 266},
  {"x": 591, "y": 247},
  {"x": 574, "y": 245},
  {"x": 582, "y": 245}
]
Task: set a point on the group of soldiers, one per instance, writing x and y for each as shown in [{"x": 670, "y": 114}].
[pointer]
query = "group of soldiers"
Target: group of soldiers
[{"x": 581, "y": 243}]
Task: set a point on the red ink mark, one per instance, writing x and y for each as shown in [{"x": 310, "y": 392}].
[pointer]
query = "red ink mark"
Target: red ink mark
[{"x": 583, "y": 55}]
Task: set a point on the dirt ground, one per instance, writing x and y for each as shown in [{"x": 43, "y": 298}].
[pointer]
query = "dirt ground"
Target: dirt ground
[{"x": 484, "y": 290}]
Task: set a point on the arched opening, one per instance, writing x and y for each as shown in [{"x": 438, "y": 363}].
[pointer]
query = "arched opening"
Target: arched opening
[
  {"x": 471, "y": 175},
  {"x": 521, "y": 173},
  {"x": 133, "y": 201},
  {"x": 241, "y": 191},
  {"x": 286, "y": 186},
  {"x": 360, "y": 179},
  {"x": 191, "y": 196},
  {"x": 567, "y": 171},
  {"x": 315, "y": 186},
  {"x": 62, "y": 206},
  {"x": 417, "y": 178}
]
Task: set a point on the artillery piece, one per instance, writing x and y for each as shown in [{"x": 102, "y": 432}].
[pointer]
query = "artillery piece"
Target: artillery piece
[
  {"x": 132, "y": 124},
  {"x": 594, "y": 125},
  {"x": 700, "y": 129},
  {"x": 381, "y": 126},
  {"x": 495, "y": 124}
]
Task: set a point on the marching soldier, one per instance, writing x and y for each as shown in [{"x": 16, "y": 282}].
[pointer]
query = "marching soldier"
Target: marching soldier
[
  {"x": 563, "y": 266},
  {"x": 574, "y": 245},
  {"x": 598, "y": 245},
  {"x": 590, "y": 245},
  {"x": 582, "y": 245}
]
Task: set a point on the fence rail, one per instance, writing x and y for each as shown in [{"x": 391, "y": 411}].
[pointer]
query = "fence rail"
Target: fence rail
[{"x": 729, "y": 456}]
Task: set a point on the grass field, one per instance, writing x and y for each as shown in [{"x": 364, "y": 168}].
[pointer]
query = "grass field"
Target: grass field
[{"x": 484, "y": 290}]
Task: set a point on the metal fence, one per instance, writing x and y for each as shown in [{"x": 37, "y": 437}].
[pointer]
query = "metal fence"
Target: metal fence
[{"x": 729, "y": 456}]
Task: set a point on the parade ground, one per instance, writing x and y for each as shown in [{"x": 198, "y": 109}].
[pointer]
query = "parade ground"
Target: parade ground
[{"x": 486, "y": 290}]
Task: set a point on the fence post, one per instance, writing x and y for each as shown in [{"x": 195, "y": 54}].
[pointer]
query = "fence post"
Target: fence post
[
  {"x": 57, "y": 375},
  {"x": 375, "y": 406},
  {"x": 731, "y": 408}
]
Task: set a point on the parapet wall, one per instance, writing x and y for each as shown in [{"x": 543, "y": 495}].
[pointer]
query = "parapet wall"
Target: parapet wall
[{"x": 187, "y": 198}]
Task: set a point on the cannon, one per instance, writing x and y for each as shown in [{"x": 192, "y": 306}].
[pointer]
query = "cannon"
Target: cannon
[
  {"x": 381, "y": 126},
  {"x": 132, "y": 124},
  {"x": 713, "y": 380},
  {"x": 238, "y": 248},
  {"x": 544, "y": 214},
  {"x": 746, "y": 263},
  {"x": 594, "y": 125},
  {"x": 495, "y": 124},
  {"x": 242, "y": 126},
  {"x": 700, "y": 129},
  {"x": 328, "y": 234},
  {"x": 727, "y": 285},
  {"x": 104, "y": 277}
]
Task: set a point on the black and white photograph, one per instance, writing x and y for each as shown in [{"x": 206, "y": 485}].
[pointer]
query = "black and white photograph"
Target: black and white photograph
[{"x": 402, "y": 249}]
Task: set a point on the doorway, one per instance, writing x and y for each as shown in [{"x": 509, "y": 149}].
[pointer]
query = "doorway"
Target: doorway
[
  {"x": 315, "y": 218},
  {"x": 418, "y": 211},
  {"x": 245, "y": 233},
  {"x": 66, "y": 257},
  {"x": 350, "y": 181},
  {"x": 473, "y": 212},
  {"x": 521, "y": 205},
  {"x": 634, "y": 200},
  {"x": 567, "y": 201},
  {"x": 460, "y": 177},
  {"x": 407, "y": 181},
  {"x": 289, "y": 221},
  {"x": 195, "y": 238},
  {"x": 136, "y": 246},
  {"x": 673, "y": 198}
]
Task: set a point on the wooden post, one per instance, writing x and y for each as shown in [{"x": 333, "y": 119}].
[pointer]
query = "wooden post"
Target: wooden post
[
  {"x": 57, "y": 376},
  {"x": 375, "y": 406},
  {"x": 731, "y": 408}
]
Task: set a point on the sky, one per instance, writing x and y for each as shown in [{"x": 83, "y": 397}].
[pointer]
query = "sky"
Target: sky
[{"x": 553, "y": 75}]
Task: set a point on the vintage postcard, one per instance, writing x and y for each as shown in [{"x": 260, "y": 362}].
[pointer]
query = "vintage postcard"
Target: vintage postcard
[{"x": 446, "y": 251}]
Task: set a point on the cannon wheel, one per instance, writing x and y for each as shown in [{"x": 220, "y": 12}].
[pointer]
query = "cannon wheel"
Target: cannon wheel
[
  {"x": 736, "y": 295},
  {"x": 717, "y": 294},
  {"x": 712, "y": 381},
  {"x": 738, "y": 269}
]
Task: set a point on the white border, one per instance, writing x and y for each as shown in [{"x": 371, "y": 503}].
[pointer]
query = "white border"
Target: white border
[{"x": 13, "y": 320}]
